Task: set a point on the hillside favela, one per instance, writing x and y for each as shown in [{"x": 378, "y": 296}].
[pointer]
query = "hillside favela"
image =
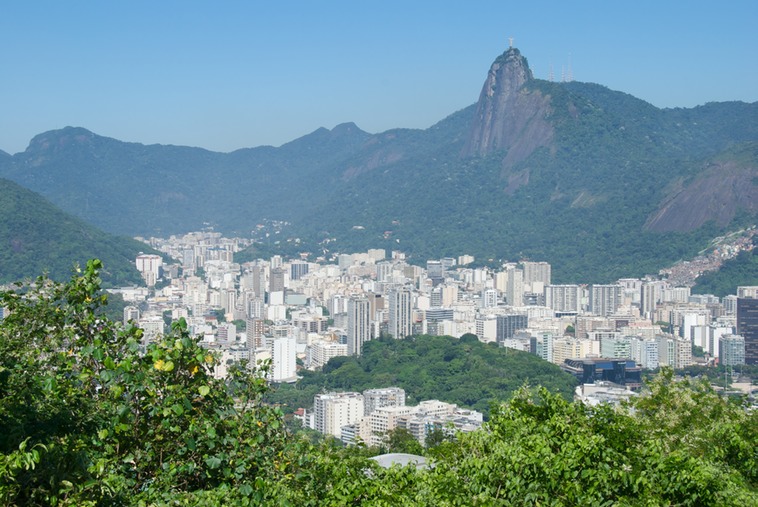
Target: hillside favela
[{"x": 549, "y": 297}]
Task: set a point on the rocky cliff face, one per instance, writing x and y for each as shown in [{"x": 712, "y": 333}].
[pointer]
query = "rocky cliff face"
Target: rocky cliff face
[
  {"x": 717, "y": 194},
  {"x": 509, "y": 116}
]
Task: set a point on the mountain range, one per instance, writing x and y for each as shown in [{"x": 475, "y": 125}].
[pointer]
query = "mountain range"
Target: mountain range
[{"x": 597, "y": 182}]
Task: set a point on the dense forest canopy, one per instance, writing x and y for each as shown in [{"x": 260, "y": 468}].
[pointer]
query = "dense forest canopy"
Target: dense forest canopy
[
  {"x": 463, "y": 371},
  {"x": 37, "y": 237}
]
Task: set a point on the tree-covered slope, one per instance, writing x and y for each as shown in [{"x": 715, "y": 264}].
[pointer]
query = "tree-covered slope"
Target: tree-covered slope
[
  {"x": 583, "y": 204},
  {"x": 36, "y": 237},
  {"x": 595, "y": 181},
  {"x": 466, "y": 372},
  {"x": 134, "y": 189}
]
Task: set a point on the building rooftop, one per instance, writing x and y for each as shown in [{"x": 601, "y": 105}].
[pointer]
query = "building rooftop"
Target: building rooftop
[{"x": 402, "y": 459}]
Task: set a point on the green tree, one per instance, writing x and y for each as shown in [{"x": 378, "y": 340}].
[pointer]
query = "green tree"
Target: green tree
[
  {"x": 680, "y": 444},
  {"x": 87, "y": 418},
  {"x": 402, "y": 440}
]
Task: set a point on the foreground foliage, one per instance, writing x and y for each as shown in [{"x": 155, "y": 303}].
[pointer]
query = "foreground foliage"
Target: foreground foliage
[{"x": 87, "y": 418}]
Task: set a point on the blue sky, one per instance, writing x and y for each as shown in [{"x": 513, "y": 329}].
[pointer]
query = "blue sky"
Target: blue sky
[{"x": 233, "y": 74}]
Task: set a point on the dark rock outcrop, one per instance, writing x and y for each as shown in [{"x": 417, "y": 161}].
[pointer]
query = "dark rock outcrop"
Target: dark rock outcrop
[
  {"x": 509, "y": 116},
  {"x": 716, "y": 195}
]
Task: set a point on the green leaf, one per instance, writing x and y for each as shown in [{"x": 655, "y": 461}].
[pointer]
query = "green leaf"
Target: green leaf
[
  {"x": 213, "y": 462},
  {"x": 204, "y": 390}
]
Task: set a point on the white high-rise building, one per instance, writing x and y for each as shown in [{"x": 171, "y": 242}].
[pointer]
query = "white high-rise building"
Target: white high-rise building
[
  {"x": 747, "y": 291},
  {"x": 544, "y": 343},
  {"x": 514, "y": 289},
  {"x": 676, "y": 295},
  {"x": 732, "y": 350},
  {"x": 332, "y": 411},
  {"x": 227, "y": 332},
  {"x": 255, "y": 308},
  {"x": 650, "y": 294},
  {"x": 383, "y": 271},
  {"x": 730, "y": 304},
  {"x": 674, "y": 351},
  {"x": 383, "y": 420},
  {"x": 573, "y": 348},
  {"x": 489, "y": 298},
  {"x": 358, "y": 324},
  {"x": 715, "y": 331},
  {"x": 400, "y": 313},
  {"x": 536, "y": 272},
  {"x": 605, "y": 299},
  {"x": 254, "y": 333},
  {"x": 152, "y": 326},
  {"x": 645, "y": 352},
  {"x": 692, "y": 323},
  {"x": 500, "y": 281},
  {"x": 320, "y": 352},
  {"x": 283, "y": 359},
  {"x": 616, "y": 346},
  {"x": 385, "y": 397},
  {"x": 486, "y": 328},
  {"x": 149, "y": 266},
  {"x": 563, "y": 298}
]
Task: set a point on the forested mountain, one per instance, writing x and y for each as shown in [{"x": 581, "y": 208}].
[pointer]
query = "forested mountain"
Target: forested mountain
[
  {"x": 595, "y": 181},
  {"x": 461, "y": 371},
  {"x": 36, "y": 238}
]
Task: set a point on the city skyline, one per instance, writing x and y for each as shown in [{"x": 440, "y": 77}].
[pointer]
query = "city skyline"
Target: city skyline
[{"x": 247, "y": 74}]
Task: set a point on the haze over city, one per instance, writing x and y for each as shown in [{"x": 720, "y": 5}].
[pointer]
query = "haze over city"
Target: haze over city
[{"x": 245, "y": 74}]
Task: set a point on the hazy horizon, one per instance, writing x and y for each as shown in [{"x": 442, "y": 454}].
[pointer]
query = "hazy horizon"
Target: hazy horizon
[{"x": 240, "y": 74}]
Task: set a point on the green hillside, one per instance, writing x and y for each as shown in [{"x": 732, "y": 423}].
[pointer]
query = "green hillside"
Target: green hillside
[
  {"x": 465, "y": 372},
  {"x": 36, "y": 237},
  {"x": 581, "y": 205},
  {"x": 595, "y": 181}
]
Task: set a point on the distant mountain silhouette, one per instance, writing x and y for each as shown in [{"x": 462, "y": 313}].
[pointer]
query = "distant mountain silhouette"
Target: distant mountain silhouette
[{"x": 595, "y": 181}]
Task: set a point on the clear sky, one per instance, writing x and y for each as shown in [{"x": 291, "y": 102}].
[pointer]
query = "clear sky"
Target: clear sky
[{"x": 233, "y": 74}]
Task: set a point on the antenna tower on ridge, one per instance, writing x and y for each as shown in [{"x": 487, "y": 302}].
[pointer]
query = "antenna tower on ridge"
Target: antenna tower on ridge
[
  {"x": 570, "y": 76},
  {"x": 550, "y": 74}
]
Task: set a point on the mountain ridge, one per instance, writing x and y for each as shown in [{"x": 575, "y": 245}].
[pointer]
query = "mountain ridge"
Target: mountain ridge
[{"x": 532, "y": 165}]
